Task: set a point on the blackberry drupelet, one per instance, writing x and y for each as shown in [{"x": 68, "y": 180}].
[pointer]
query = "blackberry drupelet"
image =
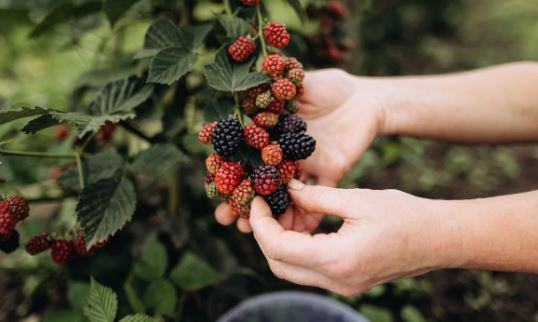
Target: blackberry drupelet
[
  {"x": 278, "y": 201},
  {"x": 297, "y": 146},
  {"x": 227, "y": 137}
]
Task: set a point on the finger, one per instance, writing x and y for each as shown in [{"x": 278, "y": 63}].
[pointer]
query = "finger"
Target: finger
[
  {"x": 285, "y": 246},
  {"x": 287, "y": 219},
  {"x": 244, "y": 226},
  {"x": 224, "y": 215},
  {"x": 319, "y": 199},
  {"x": 299, "y": 275}
]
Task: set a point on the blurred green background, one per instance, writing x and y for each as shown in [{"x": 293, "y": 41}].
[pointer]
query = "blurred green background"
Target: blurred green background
[{"x": 390, "y": 37}]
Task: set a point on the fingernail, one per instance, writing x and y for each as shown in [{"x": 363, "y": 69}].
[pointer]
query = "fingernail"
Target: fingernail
[{"x": 295, "y": 185}]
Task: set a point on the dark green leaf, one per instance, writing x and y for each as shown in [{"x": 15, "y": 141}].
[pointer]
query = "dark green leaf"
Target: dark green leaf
[
  {"x": 194, "y": 36},
  {"x": 105, "y": 165},
  {"x": 63, "y": 316},
  {"x": 105, "y": 207},
  {"x": 120, "y": 96},
  {"x": 77, "y": 294},
  {"x": 10, "y": 115},
  {"x": 137, "y": 318},
  {"x": 227, "y": 76},
  {"x": 40, "y": 123},
  {"x": 161, "y": 297},
  {"x": 235, "y": 26},
  {"x": 298, "y": 8},
  {"x": 63, "y": 13},
  {"x": 218, "y": 109},
  {"x": 412, "y": 314},
  {"x": 163, "y": 34},
  {"x": 170, "y": 65},
  {"x": 376, "y": 313},
  {"x": 193, "y": 273},
  {"x": 90, "y": 124},
  {"x": 114, "y": 9},
  {"x": 158, "y": 160},
  {"x": 102, "y": 303},
  {"x": 152, "y": 265}
]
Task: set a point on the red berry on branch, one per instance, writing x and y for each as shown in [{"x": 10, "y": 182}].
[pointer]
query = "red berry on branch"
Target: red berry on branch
[
  {"x": 258, "y": 90},
  {"x": 277, "y": 106},
  {"x": 228, "y": 177},
  {"x": 206, "y": 133},
  {"x": 266, "y": 179},
  {"x": 274, "y": 65},
  {"x": 250, "y": 2},
  {"x": 284, "y": 89},
  {"x": 38, "y": 244},
  {"x": 61, "y": 132},
  {"x": 213, "y": 162},
  {"x": 81, "y": 248},
  {"x": 277, "y": 35},
  {"x": 19, "y": 207},
  {"x": 266, "y": 120},
  {"x": 287, "y": 170},
  {"x": 296, "y": 76},
  {"x": 256, "y": 136},
  {"x": 244, "y": 193},
  {"x": 238, "y": 210},
  {"x": 242, "y": 49},
  {"x": 61, "y": 251},
  {"x": 293, "y": 63},
  {"x": 272, "y": 154},
  {"x": 7, "y": 221},
  {"x": 106, "y": 132}
]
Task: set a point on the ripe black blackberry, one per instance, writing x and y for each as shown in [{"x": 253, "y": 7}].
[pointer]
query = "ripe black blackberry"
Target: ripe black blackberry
[
  {"x": 297, "y": 146},
  {"x": 11, "y": 244},
  {"x": 278, "y": 201},
  {"x": 290, "y": 123},
  {"x": 227, "y": 137}
]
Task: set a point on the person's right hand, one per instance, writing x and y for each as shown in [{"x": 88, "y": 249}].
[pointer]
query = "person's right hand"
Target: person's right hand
[{"x": 344, "y": 114}]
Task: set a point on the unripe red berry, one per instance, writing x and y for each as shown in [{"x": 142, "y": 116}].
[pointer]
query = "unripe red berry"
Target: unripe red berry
[
  {"x": 277, "y": 35},
  {"x": 62, "y": 251},
  {"x": 242, "y": 49},
  {"x": 274, "y": 65},
  {"x": 228, "y": 177},
  {"x": 272, "y": 154},
  {"x": 266, "y": 120},
  {"x": 256, "y": 136},
  {"x": 38, "y": 244},
  {"x": 206, "y": 133},
  {"x": 284, "y": 89}
]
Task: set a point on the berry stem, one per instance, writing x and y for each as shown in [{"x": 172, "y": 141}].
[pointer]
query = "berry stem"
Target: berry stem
[
  {"x": 79, "y": 170},
  {"x": 37, "y": 154},
  {"x": 227, "y": 7},
  {"x": 238, "y": 114},
  {"x": 260, "y": 30}
]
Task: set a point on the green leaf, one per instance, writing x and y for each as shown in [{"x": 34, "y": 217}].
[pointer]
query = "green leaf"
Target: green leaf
[
  {"x": 77, "y": 294},
  {"x": 11, "y": 115},
  {"x": 105, "y": 207},
  {"x": 90, "y": 124},
  {"x": 161, "y": 297},
  {"x": 194, "y": 36},
  {"x": 375, "y": 313},
  {"x": 63, "y": 316},
  {"x": 102, "y": 303},
  {"x": 158, "y": 160},
  {"x": 40, "y": 123},
  {"x": 227, "y": 76},
  {"x": 235, "y": 26},
  {"x": 298, "y": 8},
  {"x": 114, "y": 9},
  {"x": 193, "y": 273},
  {"x": 152, "y": 265},
  {"x": 120, "y": 96},
  {"x": 63, "y": 13},
  {"x": 412, "y": 314},
  {"x": 104, "y": 165},
  {"x": 218, "y": 109},
  {"x": 170, "y": 65},
  {"x": 137, "y": 318},
  {"x": 163, "y": 34}
]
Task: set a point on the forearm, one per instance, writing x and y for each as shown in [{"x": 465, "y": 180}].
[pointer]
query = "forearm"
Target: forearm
[
  {"x": 499, "y": 233},
  {"x": 491, "y": 105}
]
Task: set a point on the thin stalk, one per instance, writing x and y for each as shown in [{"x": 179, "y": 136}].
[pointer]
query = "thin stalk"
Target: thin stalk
[
  {"x": 37, "y": 154},
  {"x": 228, "y": 8},
  {"x": 79, "y": 170},
  {"x": 238, "y": 114},
  {"x": 260, "y": 30}
]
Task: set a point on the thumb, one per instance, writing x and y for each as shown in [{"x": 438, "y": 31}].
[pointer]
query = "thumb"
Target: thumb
[{"x": 319, "y": 199}]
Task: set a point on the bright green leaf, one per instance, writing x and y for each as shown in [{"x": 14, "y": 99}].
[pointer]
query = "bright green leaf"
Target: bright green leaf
[
  {"x": 227, "y": 76},
  {"x": 170, "y": 65},
  {"x": 102, "y": 303},
  {"x": 152, "y": 265},
  {"x": 193, "y": 273},
  {"x": 161, "y": 297},
  {"x": 105, "y": 207},
  {"x": 137, "y": 318},
  {"x": 114, "y": 9}
]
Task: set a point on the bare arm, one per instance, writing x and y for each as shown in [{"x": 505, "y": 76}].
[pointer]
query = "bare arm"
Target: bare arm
[{"x": 491, "y": 105}]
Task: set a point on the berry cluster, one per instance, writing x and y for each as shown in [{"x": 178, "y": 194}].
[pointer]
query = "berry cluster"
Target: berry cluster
[
  {"x": 62, "y": 250},
  {"x": 12, "y": 211},
  {"x": 273, "y": 133}
]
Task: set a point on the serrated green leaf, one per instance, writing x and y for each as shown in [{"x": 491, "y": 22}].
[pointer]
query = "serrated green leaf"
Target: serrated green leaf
[
  {"x": 137, "y": 318},
  {"x": 298, "y": 8},
  {"x": 120, "y": 96},
  {"x": 227, "y": 76},
  {"x": 158, "y": 160},
  {"x": 10, "y": 115},
  {"x": 161, "y": 297},
  {"x": 102, "y": 303},
  {"x": 105, "y": 207},
  {"x": 163, "y": 33},
  {"x": 171, "y": 64},
  {"x": 77, "y": 294},
  {"x": 40, "y": 123},
  {"x": 193, "y": 273},
  {"x": 114, "y": 9},
  {"x": 90, "y": 124},
  {"x": 235, "y": 27},
  {"x": 194, "y": 36},
  {"x": 63, "y": 13},
  {"x": 104, "y": 165},
  {"x": 218, "y": 109},
  {"x": 152, "y": 265}
]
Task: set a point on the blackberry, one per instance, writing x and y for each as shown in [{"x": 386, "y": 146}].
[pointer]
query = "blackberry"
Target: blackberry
[
  {"x": 9, "y": 245},
  {"x": 227, "y": 137},
  {"x": 297, "y": 146},
  {"x": 290, "y": 123},
  {"x": 278, "y": 201}
]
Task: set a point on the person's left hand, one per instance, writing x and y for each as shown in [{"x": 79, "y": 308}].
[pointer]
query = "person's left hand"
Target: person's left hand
[{"x": 386, "y": 234}]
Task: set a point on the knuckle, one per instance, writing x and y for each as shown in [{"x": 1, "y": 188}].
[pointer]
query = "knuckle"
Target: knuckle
[{"x": 274, "y": 251}]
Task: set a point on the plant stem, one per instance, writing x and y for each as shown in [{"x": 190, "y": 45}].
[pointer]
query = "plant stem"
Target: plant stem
[
  {"x": 260, "y": 30},
  {"x": 227, "y": 7},
  {"x": 79, "y": 170},
  {"x": 37, "y": 154}
]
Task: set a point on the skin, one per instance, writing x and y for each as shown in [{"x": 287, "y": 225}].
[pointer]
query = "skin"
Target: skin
[{"x": 388, "y": 234}]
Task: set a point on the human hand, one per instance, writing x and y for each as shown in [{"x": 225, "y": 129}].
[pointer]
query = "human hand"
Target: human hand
[
  {"x": 344, "y": 116},
  {"x": 385, "y": 235}
]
